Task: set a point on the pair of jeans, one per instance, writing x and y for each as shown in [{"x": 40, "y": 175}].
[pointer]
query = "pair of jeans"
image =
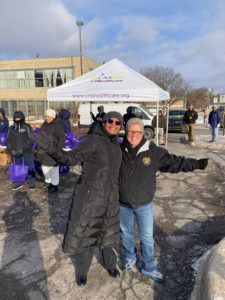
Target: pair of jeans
[
  {"x": 215, "y": 133},
  {"x": 28, "y": 161},
  {"x": 143, "y": 216}
]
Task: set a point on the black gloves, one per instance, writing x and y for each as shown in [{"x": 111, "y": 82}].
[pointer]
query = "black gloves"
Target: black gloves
[
  {"x": 202, "y": 163},
  {"x": 44, "y": 141},
  {"x": 17, "y": 152}
]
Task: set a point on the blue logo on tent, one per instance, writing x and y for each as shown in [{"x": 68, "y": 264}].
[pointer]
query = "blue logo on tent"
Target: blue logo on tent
[{"x": 107, "y": 78}]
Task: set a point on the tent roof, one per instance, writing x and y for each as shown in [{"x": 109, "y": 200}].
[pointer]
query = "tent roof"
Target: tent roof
[{"x": 112, "y": 82}]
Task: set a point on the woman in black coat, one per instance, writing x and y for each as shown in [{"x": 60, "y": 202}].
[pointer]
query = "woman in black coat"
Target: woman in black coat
[
  {"x": 94, "y": 218},
  {"x": 50, "y": 167}
]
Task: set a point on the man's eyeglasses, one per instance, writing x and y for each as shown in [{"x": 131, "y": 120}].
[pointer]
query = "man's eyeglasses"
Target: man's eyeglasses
[
  {"x": 130, "y": 132},
  {"x": 111, "y": 121}
]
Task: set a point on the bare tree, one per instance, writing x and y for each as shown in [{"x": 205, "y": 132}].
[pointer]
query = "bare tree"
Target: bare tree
[
  {"x": 168, "y": 80},
  {"x": 199, "y": 97}
]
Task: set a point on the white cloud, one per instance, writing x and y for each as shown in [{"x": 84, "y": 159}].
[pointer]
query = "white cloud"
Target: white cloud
[
  {"x": 143, "y": 33},
  {"x": 36, "y": 26}
]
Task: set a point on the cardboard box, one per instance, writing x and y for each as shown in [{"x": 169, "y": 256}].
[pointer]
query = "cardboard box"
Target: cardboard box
[
  {"x": 2, "y": 149},
  {"x": 4, "y": 159}
]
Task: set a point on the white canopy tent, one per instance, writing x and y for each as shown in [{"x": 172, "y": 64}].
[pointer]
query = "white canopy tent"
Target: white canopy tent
[{"x": 112, "y": 82}]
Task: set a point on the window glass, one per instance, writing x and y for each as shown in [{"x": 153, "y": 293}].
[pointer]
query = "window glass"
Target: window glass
[
  {"x": 41, "y": 106},
  {"x": 12, "y": 106},
  {"x": 176, "y": 112},
  {"x": 5, "y": 106},
  {"x": 35, "y": 78},
  {"x": 38, "y": 74},
  {"x": 22, "y": 105},
  {"x": 31, "y": 106},
  {"x": 138, "y": 113}
]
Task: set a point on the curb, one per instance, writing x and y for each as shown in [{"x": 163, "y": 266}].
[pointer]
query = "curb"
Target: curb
[{"x": 210, "y": 282}]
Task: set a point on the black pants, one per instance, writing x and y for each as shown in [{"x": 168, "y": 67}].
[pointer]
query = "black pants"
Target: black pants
[{"x": 83, "y": 260}]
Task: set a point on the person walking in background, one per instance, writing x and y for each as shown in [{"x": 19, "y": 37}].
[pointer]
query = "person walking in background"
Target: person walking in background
[
  {"x": 189, "y": 120},
  {"x": 94, "y": 218},
  {"x": 100, "y": 114},
  {"x": 161, "y": 126},
  {"x": 19, "y": 145},
  {"x": 98, "y": 119},
  {"x": 204, "y": 116},
  {"x": 4, "y": 122},
  {"x": 129, "y": 115},
  {"x": 51, "y": 127},
  {"x": 141, "y": 160},
  {"x": 214, "y": 121},
  {"x": 64, "y": 116}
]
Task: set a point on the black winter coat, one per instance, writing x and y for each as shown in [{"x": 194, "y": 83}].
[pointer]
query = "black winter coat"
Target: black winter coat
[
  {"x": 94, "y": 219},
  {"x": 64, "y": 116},
  {"x": 137, "y": 178},
  {"x": 4, "y": 123},
  {"x": 190, "y": 116},
  {"x": 56, "y": 131},
  {"x": 18, "y": 138}
]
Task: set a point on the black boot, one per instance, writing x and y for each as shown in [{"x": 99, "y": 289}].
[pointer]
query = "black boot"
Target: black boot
[
  {"x": 114, "y": 273},
  {"x": 81, "y": 280},
  {"x": 45, "y": 186},
  {"x": 53, "y": 188}
]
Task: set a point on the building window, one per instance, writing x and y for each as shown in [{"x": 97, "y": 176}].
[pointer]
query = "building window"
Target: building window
[
  {"x": 35, "y": 78},
  {"x": 38, "y": 75}
]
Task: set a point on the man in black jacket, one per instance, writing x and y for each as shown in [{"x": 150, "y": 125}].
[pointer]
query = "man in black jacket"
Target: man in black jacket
[
  {"x": 94, "y": 218},
  {"x": 141, "y": 160},
  {"x": 189, "y": 120},
  {"x": 100, "y": 114},
  {"x": 20, "y": 147},
  {"x": 129, "y": 115}
]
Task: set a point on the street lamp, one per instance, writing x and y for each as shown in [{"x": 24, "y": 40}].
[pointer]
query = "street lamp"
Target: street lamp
[{"x": 79, "y": 24}]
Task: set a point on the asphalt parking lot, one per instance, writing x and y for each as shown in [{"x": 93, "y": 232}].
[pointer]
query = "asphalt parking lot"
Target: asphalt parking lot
[{"x": 189, "y": 211}]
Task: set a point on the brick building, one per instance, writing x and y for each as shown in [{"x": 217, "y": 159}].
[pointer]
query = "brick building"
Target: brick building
[{"x": 24, "y": 82}]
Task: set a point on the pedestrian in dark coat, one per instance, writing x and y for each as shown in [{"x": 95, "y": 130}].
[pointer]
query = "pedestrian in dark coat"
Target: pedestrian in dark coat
[
  {"x": 94, "y": 218},
  {"x": 141, "y": 160},
  {"x": 19, "y": 145},
  {"x": 190, "y": 117},
  {"x": 100, "y": 114},
  {"x": 64, "y": 116},
  {"x": 129, "y": 115},
  {"x": 214, "y": 121},
  {"x": 4, "y": 122},
  {"x": 51, "y": 127}
]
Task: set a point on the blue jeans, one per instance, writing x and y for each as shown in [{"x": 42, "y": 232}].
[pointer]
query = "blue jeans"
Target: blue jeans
[
  {"x": 143, "y": 215},
  {"x": 215, "y": 133},
  {"x": 28, "y": 161}
]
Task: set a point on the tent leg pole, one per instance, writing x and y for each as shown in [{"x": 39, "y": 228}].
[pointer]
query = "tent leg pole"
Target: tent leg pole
[
  {"x": 157, "y": 123},
  {"x": 167, "y": 122}
]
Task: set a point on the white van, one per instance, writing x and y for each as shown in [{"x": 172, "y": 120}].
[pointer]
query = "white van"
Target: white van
[{"x": 84, "y": 117}]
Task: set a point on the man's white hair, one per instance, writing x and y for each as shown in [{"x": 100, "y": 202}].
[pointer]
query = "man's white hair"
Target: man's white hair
[{"x": 136, "y": 121}]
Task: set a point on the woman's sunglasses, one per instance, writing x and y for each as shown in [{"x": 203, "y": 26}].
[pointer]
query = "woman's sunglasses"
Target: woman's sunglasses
[{"x": 111, "y": 121}]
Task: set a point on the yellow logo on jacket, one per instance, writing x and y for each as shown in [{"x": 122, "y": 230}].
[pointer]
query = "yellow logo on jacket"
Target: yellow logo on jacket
[{"x": 146, "y": 161}]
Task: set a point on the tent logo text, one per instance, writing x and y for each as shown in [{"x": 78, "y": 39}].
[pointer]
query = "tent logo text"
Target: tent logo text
[{"x": 107, "y": 78}]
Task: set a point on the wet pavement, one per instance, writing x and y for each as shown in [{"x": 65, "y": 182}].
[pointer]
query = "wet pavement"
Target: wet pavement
[{"x": 189, "y": 211}]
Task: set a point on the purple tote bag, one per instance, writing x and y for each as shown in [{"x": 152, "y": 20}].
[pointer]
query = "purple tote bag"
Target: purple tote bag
[{"x": 18, "y": 172}]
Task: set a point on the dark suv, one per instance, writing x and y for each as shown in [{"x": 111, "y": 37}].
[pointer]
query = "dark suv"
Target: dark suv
[{"x": 176, "y": 120}]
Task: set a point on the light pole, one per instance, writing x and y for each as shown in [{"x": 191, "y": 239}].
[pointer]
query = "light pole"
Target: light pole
[{"x": 80, "y": 24}]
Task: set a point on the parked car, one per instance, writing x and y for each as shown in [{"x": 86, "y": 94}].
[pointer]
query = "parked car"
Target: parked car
[{"x": 176, "y": 120}]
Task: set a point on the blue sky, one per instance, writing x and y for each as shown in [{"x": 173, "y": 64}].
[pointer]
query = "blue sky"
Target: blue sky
[{"x": 185, "y": 35}]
